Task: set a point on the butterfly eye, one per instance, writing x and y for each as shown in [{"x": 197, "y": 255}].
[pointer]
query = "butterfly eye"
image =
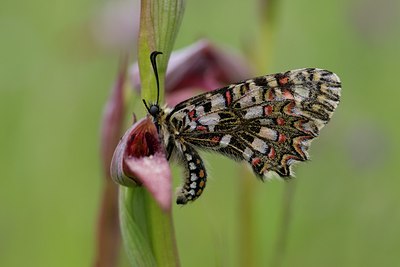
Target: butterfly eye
[{"x": 154, "y": 110}]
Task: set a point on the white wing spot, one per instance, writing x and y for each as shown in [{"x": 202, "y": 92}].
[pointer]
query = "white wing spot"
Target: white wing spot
[
  {"x": 225, "y": 140},
  {"x": 302, "y": 92},
  {"x": 254, "y": 112},
  {"x": 192, "y": 125},
  {"x": 273, "y": 83},
  {"x": 266, "y": 121},
  {"x": 278, "y": 95},
  {"x": 210, "y": 119},
  {"x": 268, "y": 133},
  {"x": 200, "y": 111},
  {"x": 217, "y": 102},
  {"x": 317, "y": 76},
  {"x": 193, "y": 177},
  {"x": 192, "y": 166},
  {"x": 247, "y": 153},
  {"x": 259, "y": 145}
]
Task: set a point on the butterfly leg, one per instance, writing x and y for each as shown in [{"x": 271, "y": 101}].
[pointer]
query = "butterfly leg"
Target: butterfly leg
[
  {"x": 195, "y": 175},
  {"x": 170, "y": 149}
]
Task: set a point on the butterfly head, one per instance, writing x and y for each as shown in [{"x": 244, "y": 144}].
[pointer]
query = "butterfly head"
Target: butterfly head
[{"x": 154, "y": 110}]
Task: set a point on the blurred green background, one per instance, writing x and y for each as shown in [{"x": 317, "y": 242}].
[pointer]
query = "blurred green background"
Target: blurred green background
[{"x": 55, "y": 78}]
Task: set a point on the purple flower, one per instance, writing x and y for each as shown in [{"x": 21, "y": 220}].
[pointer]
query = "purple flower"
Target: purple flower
[{"x": 108, "y": 237}]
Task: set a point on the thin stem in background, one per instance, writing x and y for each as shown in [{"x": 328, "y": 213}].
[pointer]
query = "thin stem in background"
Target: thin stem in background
[
  {"x": 261, "y": 57},
  {"x": 246, "y": 217},
  {"x": 108, "y": 232},
  {"x": 286, "y": 216}
]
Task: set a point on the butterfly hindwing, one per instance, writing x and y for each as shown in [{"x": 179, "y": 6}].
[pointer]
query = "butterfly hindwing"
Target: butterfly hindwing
[{"x": 268, "y": 121}]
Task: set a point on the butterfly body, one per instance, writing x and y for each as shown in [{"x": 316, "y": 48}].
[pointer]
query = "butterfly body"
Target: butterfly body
[{"x": 268, "y": 121}]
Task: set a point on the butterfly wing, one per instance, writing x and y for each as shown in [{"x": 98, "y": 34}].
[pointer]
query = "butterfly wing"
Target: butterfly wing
[
  {"x": 195, "y": 174},
  {"x": 268, "y": 121}
]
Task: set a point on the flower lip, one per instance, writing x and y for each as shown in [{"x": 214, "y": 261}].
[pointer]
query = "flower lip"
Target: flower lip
[
  {"x": 140, "y": 160},
  {"x": 143, "y": 141}
]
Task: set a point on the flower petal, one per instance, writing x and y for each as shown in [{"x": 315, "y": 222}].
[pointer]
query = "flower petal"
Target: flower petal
[
  {"x": 113, "y": 117},
  {"x": 140, "y": 159},
  {"x": 154, "y": 174},
  {"x": 108, "y": 231},
  {"x": 206, "y": 66}
]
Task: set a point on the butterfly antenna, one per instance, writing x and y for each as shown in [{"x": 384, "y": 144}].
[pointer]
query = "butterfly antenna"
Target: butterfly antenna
[
  {"x": 154, "y": 64},
  {"x": 145, "y": 104}
]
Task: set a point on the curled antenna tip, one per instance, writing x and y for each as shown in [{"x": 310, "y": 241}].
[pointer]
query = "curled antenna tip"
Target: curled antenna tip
[
  {"x": 153, "y": 56},
  {"x": 155, "y": 53}
]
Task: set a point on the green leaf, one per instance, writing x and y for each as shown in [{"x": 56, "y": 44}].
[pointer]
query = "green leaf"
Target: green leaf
[
  {"x": 134, "y": 226},
  {"x": 159, "y": 25}
]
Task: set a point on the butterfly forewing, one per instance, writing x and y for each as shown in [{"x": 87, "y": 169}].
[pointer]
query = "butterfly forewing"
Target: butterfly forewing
[{"x": 268, "y": 121}]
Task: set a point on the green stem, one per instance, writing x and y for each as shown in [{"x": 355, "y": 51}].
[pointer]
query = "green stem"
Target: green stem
[
  {"x": 162, "y": 234},
  {"x": 268, "y": 13},
  {"x": 134, "y": 226},
  {"x": 286, "y": 216},
  {"x": 147, "y": 230},
  {"x": 246, "y": 219}
]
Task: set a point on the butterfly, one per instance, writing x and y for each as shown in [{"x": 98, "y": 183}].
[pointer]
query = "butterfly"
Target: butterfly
[{"x": 268, "y": 121}]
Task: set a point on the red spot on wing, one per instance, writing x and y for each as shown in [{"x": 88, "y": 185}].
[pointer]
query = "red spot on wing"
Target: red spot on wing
[
  {"x": 216, "y": 139},
  {"x": 280, "y": 121},
  {"x": 299, "y": 125},
  {"x": 289, "y": 108},
  {"x": 283, "y": 80},
  {"x": 228, "y": 97},
  {"x": 271, "y": 94},
  {"x": 191, "y": 114},
  {"x": 287, "y": 94},
  {"x": 201, "y": 128},
  {"x": 297, "y": 144},
  {"x": 286, "y": 159},
  {"x": 282, "y": 138},
  {"x": 272, "y": 153},
  {"x": 255, "y": 161},
  {"x": 268, "y": 110}
]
